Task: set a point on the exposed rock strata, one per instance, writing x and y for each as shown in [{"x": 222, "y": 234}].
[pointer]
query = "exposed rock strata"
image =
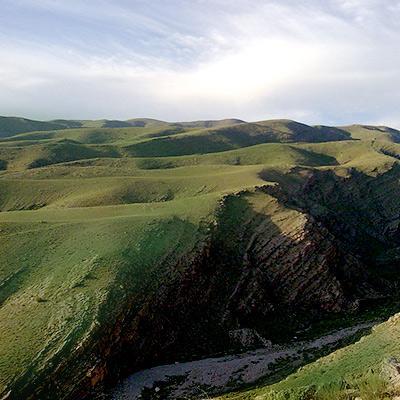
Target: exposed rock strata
[
  {"x": 283, "y": 263},
  {"x": 282, "y": 256}
]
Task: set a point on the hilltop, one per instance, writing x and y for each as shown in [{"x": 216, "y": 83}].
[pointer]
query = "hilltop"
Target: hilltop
[{"x": 126, "y": 244}]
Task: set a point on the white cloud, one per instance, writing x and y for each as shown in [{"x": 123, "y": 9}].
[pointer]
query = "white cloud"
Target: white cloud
[{"x": 335, "y": 62}]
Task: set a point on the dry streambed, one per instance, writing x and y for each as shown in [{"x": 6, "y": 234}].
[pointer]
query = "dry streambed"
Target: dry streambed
[{"x": 201, "y": 378}]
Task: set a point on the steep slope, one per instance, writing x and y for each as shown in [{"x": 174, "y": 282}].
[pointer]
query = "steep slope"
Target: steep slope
[
  {"x": 363, "y": 213},
  {"x": 63, "y": 292},
  {"x": 268, "y": 266},
  {"x": 262, "y": 266}
]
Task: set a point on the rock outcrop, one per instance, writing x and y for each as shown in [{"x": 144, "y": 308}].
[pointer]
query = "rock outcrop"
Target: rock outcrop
[
  {"x": 278, "y": 257},
  {"x": 275, "y": 260}
]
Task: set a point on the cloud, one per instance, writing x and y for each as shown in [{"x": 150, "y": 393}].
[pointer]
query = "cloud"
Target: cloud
[{"x": 332, "y": 62}]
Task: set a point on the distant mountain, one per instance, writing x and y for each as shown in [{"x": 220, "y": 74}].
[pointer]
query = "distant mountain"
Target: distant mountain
[
  {"x": 10, "y": 126},
  {"x": 293, "y": 131},
  {"x": 146, "y": 122},
  {"x": 211, "y": 123},
  {"x": 234, "y": 130},
  {"x": 240, "y": 134}
]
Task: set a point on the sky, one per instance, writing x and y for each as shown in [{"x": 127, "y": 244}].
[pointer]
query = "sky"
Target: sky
[{"x": 329, "y": 61}]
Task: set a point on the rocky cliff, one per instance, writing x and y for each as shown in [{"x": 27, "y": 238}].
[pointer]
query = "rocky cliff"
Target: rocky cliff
[{"x": 275, "y": 259}]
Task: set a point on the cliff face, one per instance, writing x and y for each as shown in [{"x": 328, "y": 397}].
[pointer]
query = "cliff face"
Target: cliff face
[
  {"x": 275, "y": 260},
  {"x": 361, "y": 211}
]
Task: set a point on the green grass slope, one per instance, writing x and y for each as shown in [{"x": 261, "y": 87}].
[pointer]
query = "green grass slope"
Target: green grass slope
[
  {"x": 368, "y": 132},
  {"x": 98, "y": 130},
  {"x": 70, "y": 272},
  {"x": 233, "y": 137},
  {"x": 94, "y": 213},
  {"x": 355, "y": 371},
  {"x": 211, "y": 123},
  {"x": 10, "y": 126}
]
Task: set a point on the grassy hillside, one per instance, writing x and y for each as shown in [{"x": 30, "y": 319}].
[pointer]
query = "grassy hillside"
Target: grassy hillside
[
  {"x": 367, "y": 132},
  {"x": 355, "y": 371},
  {"x": 10, "y": 126},
  {"x": 60, "y": 288},
  {"x": 232, "y": 137},
  {"x": 100, "y": 219}
]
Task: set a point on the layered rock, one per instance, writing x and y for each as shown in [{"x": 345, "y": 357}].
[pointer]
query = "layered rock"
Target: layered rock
[{"x": 274, "y": 261}]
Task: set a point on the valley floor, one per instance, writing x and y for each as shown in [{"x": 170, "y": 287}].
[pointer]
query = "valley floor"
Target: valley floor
[{"x": 203, "y": 378}]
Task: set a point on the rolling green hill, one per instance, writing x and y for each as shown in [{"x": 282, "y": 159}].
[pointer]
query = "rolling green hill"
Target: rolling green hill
[
  {"x": 122, "y": 241},
  {"x": 10, "y": 126}
]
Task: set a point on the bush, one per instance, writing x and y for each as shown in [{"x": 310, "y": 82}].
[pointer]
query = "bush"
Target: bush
[{"x": 372, "y": 387}]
